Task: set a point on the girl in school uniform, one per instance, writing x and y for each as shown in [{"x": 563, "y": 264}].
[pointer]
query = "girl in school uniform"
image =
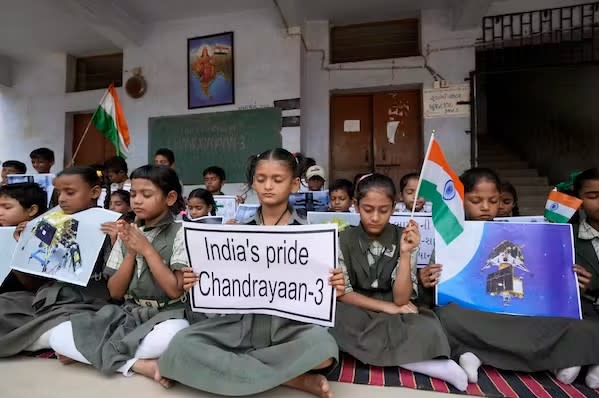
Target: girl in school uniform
[
  {"x": 27, "y": 318},
  {"x": 144, "y": 270},
  {"x": 517, "y": 343},
  {"x": 247, "y": 354},
  {"x": 200, "y": 203},
  {"x": 508, "y": 201},
  {"x": 377, "y": 322}
]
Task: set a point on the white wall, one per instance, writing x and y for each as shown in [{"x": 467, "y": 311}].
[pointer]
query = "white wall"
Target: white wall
[
  {"x": 318, "y": 83},
  {"x": 267, "y": 68}
]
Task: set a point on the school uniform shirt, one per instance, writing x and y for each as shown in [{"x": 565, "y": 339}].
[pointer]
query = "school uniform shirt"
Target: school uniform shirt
[
  {"x": 245, "y": 354},
  {"x": 110, "y": 337},
  {"x": 125, "y": 185}
]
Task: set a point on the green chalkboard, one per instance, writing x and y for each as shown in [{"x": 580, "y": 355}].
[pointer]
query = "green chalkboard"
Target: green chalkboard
[{"x": 224, "y": 139}]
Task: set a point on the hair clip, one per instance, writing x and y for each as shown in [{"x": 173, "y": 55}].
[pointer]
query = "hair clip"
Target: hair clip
[
  {"x": 99, "y": 173},
  {"x": 363, "y": 177}
]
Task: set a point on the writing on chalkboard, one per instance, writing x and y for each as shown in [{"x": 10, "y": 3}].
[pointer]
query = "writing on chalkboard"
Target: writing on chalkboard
[{"x": 227, "y": 142}]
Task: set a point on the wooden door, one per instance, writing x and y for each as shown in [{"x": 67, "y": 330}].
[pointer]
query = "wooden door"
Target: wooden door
[
  {"x": 397, "y": 122},
  {"x": 351, "y": 136},
  {"x": 95, "y": 149}
]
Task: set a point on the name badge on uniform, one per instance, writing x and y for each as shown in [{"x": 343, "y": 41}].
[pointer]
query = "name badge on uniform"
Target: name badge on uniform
[{"x": 389, "y": 253}]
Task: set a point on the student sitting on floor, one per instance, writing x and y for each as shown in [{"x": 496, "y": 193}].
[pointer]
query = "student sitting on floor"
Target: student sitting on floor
[
  {"x": 508, "y": 201},
  {"x": 200, "y": 203},
  {"x": 42, "y": 160},
  {"x": 377, "y": 322},
  {"x": 518, "y": 343},
  {"x": 144, "y": 269},
  {"x": 116, "y": 170},
  {"x": 407, "y": 193},
  {"x": 246, "y": 354},
  {"x": 12, "y": 167}
]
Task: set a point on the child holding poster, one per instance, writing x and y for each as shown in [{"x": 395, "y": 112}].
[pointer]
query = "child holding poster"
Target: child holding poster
[
  {"x": 144, "y": 270},
  {"x": 341, "y": 195},
  {"x": 27, "y": 318},
  {"x": 377, "y": 322},
  {"x": 20, "y": 203},
  {"x": 407, "y": 193},
  {"x": 246, "y": 354},
  {"x": 518, "y": 343}
]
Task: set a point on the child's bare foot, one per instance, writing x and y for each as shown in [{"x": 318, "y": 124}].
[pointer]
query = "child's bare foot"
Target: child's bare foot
[
  {"x": 312, "y": 383},
  {"x": 149, "y": 368},
  {"x": 65, "y": 360}
]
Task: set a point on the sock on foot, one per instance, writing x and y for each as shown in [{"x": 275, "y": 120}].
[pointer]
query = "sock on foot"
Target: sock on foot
[
  {"x": 592, "y": 378},
  {"x": 444, "y": 369},
  {"x": 567, "y": 375},
  {"x": 470, "y": 363}
]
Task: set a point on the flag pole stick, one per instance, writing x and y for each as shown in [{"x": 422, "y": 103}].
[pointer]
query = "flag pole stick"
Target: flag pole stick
[
  {"x": 428, "y": 151},
  {"x": 72, "y": 162}
]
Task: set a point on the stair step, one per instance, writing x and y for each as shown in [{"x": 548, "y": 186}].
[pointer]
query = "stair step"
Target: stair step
[
  {"x": 503, "y": 165},
  {"x": 520, "y": 180},
  {"x": 532, "y": 190},
  {"x": 507, "y": 174}
]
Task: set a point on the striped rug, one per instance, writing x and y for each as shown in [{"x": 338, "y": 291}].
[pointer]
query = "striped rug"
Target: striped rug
[{"x": 491, "y": 382}]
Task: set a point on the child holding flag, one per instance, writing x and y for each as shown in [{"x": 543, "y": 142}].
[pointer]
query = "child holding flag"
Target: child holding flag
[
  {"x": 518, "y": 343},
  {"x": 377, "y": 322}
]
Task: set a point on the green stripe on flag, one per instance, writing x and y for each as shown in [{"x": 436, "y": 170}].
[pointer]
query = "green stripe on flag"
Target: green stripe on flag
[
  {"x": 555, "y": 217},
  {"x": 445, "y": 222},
  {"x": 107, "y": 126}
]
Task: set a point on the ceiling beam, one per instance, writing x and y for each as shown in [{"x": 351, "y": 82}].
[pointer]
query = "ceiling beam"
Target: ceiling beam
[
  {"x": 109, "y": 19},
  {"x": 468, "y": 14},
  {"x": 6, "y": 66}
]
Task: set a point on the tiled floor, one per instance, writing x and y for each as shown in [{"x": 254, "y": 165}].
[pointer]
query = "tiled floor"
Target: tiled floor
[{"x": 47, "y": 378}]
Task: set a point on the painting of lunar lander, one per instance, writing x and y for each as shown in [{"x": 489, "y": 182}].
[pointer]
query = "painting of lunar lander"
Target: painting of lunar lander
[
  {"x": 57, "y": 249},
  {"x": 508, "y": 280}
]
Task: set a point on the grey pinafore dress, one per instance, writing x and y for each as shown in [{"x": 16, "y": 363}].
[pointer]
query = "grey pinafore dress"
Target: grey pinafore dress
[
  {"x": 244, "y": 354},
  {"x": 377, "y": 338},
  {"x": 26, "y": 316},
  {"x": 111, "y": 336}
]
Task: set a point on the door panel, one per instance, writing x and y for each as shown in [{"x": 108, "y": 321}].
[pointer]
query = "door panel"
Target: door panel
[
  {"x": 95, "y": 148},
  {"x": 351, "y": 151},
  {"x": 397, "y": 133}
]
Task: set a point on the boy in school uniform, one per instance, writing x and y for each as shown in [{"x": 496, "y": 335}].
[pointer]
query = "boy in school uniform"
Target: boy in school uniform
[
  {"x": 42, "y": 160},
  {"x": 117, "y": 171},
  {"x": 12, "y": 167},
  {"x": 214, "y": 179},
  {"x": 164, "y": 157},
  {"x": 315, "y": 176}
]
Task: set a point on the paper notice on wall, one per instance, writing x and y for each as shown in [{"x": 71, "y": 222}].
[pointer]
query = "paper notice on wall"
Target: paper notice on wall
[
  {"x": 351, "y": 126},
  {"x": 443, "y": 102},
  {"x": 391, "y": 130}
]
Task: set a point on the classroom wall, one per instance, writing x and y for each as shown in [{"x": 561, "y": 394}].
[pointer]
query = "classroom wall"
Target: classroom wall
[
  {"x": 319, "y": 82},
  {"x": 267, "y": 68}
]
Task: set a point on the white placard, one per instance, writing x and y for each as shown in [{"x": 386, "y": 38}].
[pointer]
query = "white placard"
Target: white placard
[
  {"x": 351, "y": 126},
  {"x": 226, "y": 206},
  {"x": 61, "y": 246},
  {"x": 427, "y": 234},
  {"x": 443, "y": 102},
  {"x": 7, "y": 246},
  {"x": 282, "y": 270},
  {"x": 46, "y": 181}
]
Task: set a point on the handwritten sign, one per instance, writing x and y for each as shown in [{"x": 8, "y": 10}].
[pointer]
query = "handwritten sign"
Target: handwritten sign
[
  {"x": 226, "y": 206},
  {"x": 443, "y": 102},
  {"x": 282, "y": 271},
  {"x": 427, "y": 234}
]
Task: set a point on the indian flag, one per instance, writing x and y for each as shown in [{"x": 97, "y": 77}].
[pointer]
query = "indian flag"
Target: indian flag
[
  {"x": 561, "y": 207},
  {"x": 110, "y": 120},
  {"x": 440, "y": 185}
]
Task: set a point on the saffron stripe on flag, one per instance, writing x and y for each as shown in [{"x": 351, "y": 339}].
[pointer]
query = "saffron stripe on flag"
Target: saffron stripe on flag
[
  {"x": 565, "y": 200},
  {"x": 437, "y": 156}
]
